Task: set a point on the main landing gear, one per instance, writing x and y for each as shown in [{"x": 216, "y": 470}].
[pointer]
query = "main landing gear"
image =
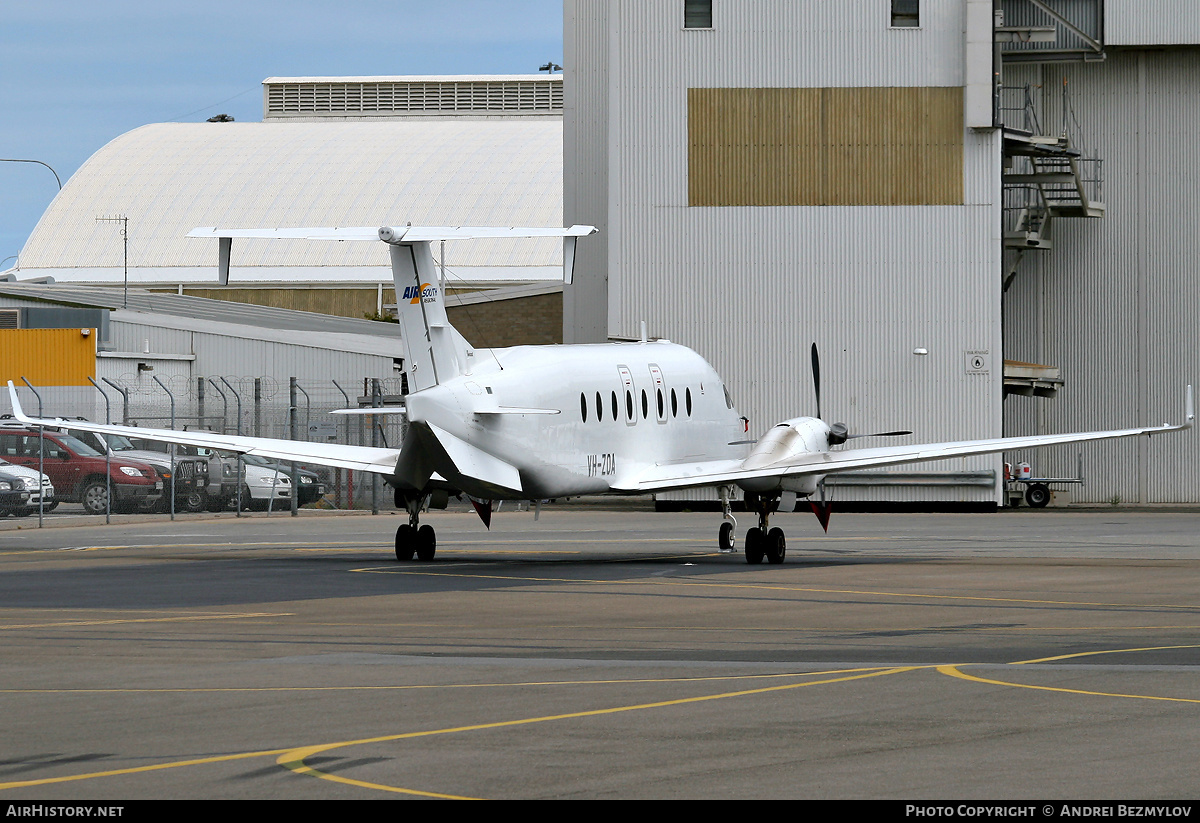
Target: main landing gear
[
  {"x": 762, "y": 541},
  {"x": 411, "y": 537}
]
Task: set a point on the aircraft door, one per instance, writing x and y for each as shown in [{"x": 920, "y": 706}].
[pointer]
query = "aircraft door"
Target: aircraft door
[
  {"x": 660, "y": 392},
  {"x": 628, "y": 390}
]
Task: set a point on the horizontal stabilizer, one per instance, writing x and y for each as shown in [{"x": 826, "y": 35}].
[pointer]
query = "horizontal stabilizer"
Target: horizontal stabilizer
[
  {"x": 369, "y": 410},
  {"x": 395, "y": 234}
]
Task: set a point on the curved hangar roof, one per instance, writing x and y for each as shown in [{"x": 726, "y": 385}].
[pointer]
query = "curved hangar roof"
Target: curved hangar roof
[{"x": 170, "y": 178}]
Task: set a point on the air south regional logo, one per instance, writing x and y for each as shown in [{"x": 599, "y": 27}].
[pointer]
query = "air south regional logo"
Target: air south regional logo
[{"x": 425, "y": 293}]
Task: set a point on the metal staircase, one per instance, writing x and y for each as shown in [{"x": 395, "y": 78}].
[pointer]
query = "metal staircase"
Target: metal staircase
[{"x": 1044, "y": 177}]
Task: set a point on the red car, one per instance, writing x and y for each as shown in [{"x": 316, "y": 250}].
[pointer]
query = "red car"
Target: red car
[{"x": 78, "y": 471}]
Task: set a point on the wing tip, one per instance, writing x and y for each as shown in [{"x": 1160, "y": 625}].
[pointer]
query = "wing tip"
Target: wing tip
[{"x": 18, "y": 412}]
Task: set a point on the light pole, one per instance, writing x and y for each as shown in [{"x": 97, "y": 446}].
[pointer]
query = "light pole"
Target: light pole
[{"x": 39, "y": 162}]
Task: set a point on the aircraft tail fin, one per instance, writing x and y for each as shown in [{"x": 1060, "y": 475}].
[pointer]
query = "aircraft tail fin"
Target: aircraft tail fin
[{"x": 434, "y": 351}]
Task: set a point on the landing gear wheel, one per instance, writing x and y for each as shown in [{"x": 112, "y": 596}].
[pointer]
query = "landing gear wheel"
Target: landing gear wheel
[
  {"x": 754, "y": 546},
  {"x": 1037, "y": 495},
  {"x": 776, "y": 547},
  {"x": 426, "y": 543},
  {"x": 725, "y": 538},
  {"x": 406, "y": 540}
]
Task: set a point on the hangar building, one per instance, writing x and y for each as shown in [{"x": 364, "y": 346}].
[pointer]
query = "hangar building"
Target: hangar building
[
  {"x": 475, "y": 150},
  {"x": 980, "y": 210}
]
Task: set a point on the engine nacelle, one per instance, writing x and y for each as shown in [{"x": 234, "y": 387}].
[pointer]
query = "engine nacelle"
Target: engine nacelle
[{"x": 786, "y": 441}]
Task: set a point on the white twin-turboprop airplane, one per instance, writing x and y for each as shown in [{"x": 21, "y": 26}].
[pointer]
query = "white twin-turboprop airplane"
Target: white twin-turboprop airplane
[{"x": 539, "y": 422}]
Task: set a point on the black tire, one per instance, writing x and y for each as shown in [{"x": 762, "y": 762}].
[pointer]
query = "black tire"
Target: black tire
[
  {"x": 20, "y": 512},
  {"x": 94, "y": 497},
  {"x": 216, "y": 504},
  {"x": 196, "y": 500},
  {"x": 754, "y": 546},
  {"x": 1037, "y": 495},
  {"x": 406, "y": 542},
  {"x": 50, "y": 507},
  {"x": 249, "y": 504},
  {"x": 725, "y": 537},
  {"x": 3, "y": 513},
  {"x": 426, "y": 543},
  {"x": 776, "y": 546}
]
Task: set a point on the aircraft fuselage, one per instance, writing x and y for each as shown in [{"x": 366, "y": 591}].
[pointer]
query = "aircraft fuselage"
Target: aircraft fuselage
[{"x": 596, "y": 416}]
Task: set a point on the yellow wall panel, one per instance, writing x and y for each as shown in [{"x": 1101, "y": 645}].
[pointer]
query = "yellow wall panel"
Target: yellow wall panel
[
  {"x": 47, "y": 357},
  {"x": 825, "y": 147}
]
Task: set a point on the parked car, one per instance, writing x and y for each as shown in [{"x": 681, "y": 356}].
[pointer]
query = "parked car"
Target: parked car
[
  {"x": 190, "y": 475},
  {"x": 223, "y": 477},
  {"x": 77, "y": 470},
  {"x": 35, "y": 485},
  {"x": 312, "y": 487},
  {"x": 14, "y": 498},
  {"x": 264, "y": 484}
]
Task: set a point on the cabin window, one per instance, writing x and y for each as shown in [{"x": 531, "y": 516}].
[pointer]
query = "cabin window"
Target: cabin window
[
  {"x": 629, "y": 405},
  {"x": 728, "y": 399},
  {"x": 583, "y": 407},
  {"x": 674, "y": 404},
  {"x": 599, "y": 408},
  {"x": 614, "y": 406},
  {"x": 661, "y": 407},
  {"x": 688, "y": 399},
  {"x": 645, "y": 405}
]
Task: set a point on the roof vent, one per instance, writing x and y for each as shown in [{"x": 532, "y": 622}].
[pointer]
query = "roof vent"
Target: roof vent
[{"x": 346, "y": 98}]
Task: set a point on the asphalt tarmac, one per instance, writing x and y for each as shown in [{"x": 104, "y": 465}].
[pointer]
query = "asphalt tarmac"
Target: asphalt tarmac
[{"x": 602, "y": 654}]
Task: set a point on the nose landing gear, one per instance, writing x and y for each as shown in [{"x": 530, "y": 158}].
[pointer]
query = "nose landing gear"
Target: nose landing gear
[{"x": 726, "y": 539}]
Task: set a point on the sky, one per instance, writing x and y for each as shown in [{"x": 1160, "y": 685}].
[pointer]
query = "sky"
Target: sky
[{"x": 74, "y": 75}]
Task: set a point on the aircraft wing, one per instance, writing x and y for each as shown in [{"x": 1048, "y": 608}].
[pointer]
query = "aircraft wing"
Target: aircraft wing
[
  {"x": 716, "y": 473},
  {"x": 358, "y": 458}
]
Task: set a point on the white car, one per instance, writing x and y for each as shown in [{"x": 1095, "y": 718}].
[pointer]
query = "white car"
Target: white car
[
  {"x": 263, "y": 487},
  {"x": 32, "y": 480}
]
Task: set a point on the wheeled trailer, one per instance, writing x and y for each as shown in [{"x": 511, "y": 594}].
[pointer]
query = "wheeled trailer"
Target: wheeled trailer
[{"x": 1036, "y": 491}]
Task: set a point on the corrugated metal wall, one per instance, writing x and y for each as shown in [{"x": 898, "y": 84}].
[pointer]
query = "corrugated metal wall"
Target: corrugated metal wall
[
  {"x": 750, "y": 288},
  {"x": 1151, "y": 22},
  {"x": 220, "y": 354},
  {"x": 1115, "y": 302},
  {"x": 48, "y": 357},
  {"x": 585, "y": 164}
]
